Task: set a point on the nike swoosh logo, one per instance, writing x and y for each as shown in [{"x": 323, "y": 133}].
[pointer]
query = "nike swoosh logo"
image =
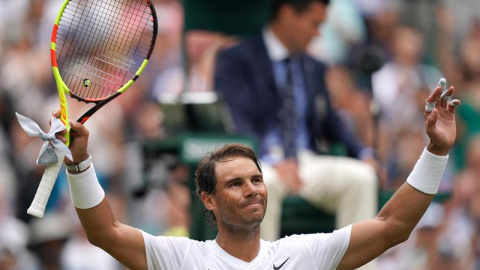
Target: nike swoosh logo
[{"x": 281, "y": 265}]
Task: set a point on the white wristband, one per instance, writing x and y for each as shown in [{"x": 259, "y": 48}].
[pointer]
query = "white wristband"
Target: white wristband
[
  {"x": 85, "y": 190},
  {"x": 428, "y": 172}
]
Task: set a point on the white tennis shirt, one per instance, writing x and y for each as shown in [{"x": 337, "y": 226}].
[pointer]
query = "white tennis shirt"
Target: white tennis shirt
[{"x": 310, "y": 251}]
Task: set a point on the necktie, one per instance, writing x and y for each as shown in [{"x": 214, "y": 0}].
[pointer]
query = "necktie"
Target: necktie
[{"x": 288, "y": 114}]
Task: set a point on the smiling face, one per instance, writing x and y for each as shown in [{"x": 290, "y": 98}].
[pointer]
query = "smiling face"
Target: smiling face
[{"x": 240, "y": 197}]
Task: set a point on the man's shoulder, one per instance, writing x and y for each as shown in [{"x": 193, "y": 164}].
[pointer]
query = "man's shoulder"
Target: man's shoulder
[
  {"x": 310, "y": 60},
  {"x": 247, "y": 45}
]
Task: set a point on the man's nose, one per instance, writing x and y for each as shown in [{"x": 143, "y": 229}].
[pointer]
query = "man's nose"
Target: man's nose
[{"x": 250, "y": 189}]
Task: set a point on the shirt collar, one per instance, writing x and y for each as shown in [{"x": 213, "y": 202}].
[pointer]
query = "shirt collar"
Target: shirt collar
[{"x": 275, "y": 49}]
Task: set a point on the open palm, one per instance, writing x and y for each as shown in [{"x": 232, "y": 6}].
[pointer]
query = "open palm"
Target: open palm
[{"x": 440, "y": 122}]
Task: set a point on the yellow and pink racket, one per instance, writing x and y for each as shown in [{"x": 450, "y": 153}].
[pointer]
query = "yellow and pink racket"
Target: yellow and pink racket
[{"x": 99, "y": 48}]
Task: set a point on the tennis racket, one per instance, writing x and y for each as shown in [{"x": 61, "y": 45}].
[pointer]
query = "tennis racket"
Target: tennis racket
[{"x": 99, "y": 48}]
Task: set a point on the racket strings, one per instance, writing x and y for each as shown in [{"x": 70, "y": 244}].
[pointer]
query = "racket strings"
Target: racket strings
[{"x": 101, "y": 44}]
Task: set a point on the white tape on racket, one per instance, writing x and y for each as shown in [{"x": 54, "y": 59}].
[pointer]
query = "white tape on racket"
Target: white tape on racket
[{"x": 37, "y": 208}]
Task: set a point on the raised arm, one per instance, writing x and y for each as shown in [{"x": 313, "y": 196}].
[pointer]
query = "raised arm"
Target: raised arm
[
  {"x": 121, "y": 241},
  {"x": 400, "y": 215}
]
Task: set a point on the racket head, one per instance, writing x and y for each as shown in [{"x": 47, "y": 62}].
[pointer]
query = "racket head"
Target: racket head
[{"x": 102, "y": 46}]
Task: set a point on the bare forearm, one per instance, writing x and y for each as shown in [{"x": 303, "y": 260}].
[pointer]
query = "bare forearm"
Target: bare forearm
[
  {"x": 123, "y": 242},
  {"x": 98, "y": 222},
  {"x": 399, "y": 216},
  {"x": 94, "y": 212},
  {"x": 403, "y": 211},
  {"x": 392, "y": 226},
  {"x": 409, "y": 203}
]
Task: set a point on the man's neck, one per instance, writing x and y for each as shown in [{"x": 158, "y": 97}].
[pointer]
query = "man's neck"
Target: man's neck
[
  {"x": 277, "y": 31},
  {"x": 241, "y": 244}
]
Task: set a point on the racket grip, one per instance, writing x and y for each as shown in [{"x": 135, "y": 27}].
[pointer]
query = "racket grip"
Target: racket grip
[{"x": 37, "y": 208}]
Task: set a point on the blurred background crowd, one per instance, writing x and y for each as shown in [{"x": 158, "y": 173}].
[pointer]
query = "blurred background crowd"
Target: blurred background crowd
[{"x": 384, "y": 57}]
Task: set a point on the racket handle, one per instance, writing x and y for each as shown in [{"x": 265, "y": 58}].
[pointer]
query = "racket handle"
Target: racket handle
[{"x": 37, "y": 208}]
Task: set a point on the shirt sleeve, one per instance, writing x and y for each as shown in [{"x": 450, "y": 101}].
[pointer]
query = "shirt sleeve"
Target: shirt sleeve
[
  {"x": 165, "y": 252},
  {"x": 327, "y": 250}
]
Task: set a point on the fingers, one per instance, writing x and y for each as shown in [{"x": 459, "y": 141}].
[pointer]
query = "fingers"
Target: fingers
[
  {"x": 429, "y": 106},
  {"x": 447, "y": 94},
  {"x": 431, "y": 101},
  {"x": 432, "y": 119},
  {"x": 78, "y": 128},
  {"x": 56, "y": 113},
  {"x": 61, "y": 137},
  {"x": 452, "y": 105},
  {"x": 441, "y": 98}
]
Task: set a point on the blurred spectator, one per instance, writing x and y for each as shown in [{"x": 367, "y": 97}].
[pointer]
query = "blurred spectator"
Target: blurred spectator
[
  {"x": 344, "y": 28},
  {"x": 48, "y": 237},
  {"x": 168, "y": 73},
  {"x": 464, "y": 14},
  {"x": 27, "y": 83},
  {"x": 400, "y": 87},
  {"x": 463, "y": 69},
  {"x": 404, "y": 81},
  {"x": 14, "y": 237},
  {"x": 370, "y": 8},
  {"x": 13, "y": 21},
  {"x": 8, "y": 179},
  {"x": 420, "y": 251},
  {"x": 455, "y": 240},
  {"x": 445, "y": 237},
  {"x": 381, "y": 18},
  {"x": 58, "y": 242},
  {"x": 419, "y": 15},
  {"x": 201, "y": 49},
  {"x": 79, "y": 254},
  {"x": 153, "y": 181},
  {"x": 351, "y": 103}
]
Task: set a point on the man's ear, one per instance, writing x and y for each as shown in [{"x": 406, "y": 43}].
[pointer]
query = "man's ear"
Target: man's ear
[{"x": 208, "y": 201}]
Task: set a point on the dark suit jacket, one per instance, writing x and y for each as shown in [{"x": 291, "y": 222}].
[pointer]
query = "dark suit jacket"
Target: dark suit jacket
[{"x": 244, "y": 79}]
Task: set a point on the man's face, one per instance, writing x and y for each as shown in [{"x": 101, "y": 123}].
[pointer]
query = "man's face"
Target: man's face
[
  {"x": 240, "y": 200},
  {"x": 302, "y": 27}
]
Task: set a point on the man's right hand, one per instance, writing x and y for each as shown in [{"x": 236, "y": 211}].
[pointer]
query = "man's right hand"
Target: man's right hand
[{"x": 287, "y": 172}]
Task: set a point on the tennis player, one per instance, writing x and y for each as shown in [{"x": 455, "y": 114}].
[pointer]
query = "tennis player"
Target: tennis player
[{"x": 230, "y": 184}]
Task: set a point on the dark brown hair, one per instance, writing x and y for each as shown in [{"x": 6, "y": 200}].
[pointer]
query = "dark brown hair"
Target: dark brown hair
[{"x": 300, "y": 6}]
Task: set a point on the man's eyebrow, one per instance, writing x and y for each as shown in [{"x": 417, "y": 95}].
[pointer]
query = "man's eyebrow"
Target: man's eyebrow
[
  {"x": 240, "y": 178},
  {"x": 257, "y": 175},
  {"x": 231, "y": 180}
]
